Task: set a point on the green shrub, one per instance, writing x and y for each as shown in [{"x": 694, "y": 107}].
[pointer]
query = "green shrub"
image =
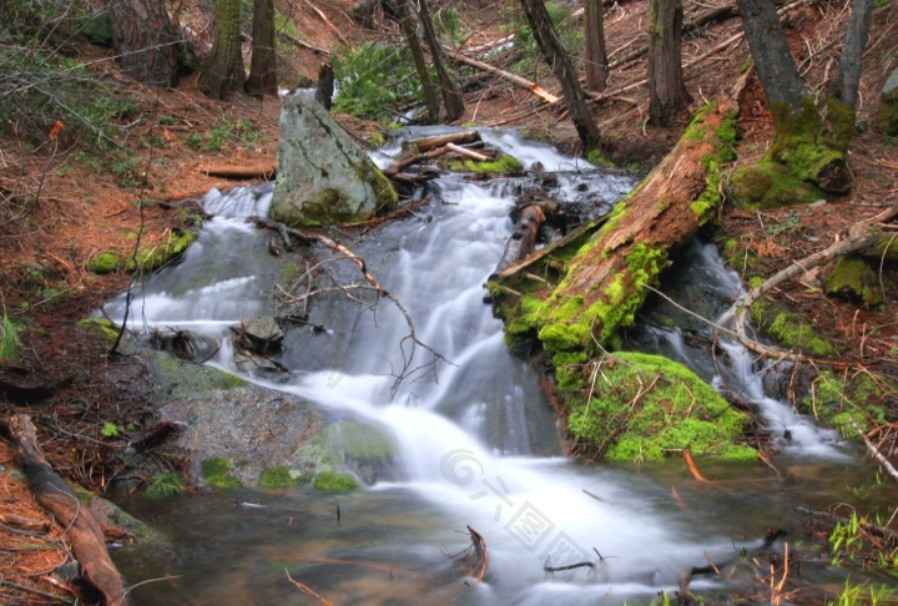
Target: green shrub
[
  {"x": 9, "y": 339},
  {"x": 166, "y": 485}
]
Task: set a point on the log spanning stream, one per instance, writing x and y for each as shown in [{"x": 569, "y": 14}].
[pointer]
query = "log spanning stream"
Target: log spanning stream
[{"x": 477, "y": 445}]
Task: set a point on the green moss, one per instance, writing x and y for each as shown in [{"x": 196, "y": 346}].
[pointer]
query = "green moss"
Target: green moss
[
  {"x": 165, "y": 485},
  {"x": 100, "y": 327},
  {"x": 837, "y": 400},
  {"x": 645, "y": 407},
  {"x": 385, "y": 195},
  {"x": 595, "y": 157},
  {"x": 332, "y": 480},
  {"x": 106, "y": 263},
  {"x": 350, "y": 441},
  {"x": 854, "y": 278},
  {"x": 183, "y": 379},
  {"x": 887, "y": 119},
  {"x": 279, "y": 477},
  {"x": 216, "y": 473},
  {"x": 153, "y": 257},
  {"x": 768, "y": 184},
  {"x": 790, "y": 330},
  {"x": 504, "y": 164}
]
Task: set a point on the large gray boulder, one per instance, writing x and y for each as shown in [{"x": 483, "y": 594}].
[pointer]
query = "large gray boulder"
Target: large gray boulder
[
  {"x": 323, "y": 175},
  {"x": 888, "y": 108}
]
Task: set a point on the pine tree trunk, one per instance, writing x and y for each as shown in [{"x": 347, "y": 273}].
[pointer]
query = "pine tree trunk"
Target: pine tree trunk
[
  {"x": 596, "y": 55},
  {"x": 667, "y": 91},
  {"x": 263, "y": 78},
  {"x": 556, "y": 56},
  {"x": 223, "y": 69},
  {"x": 845, "y": 86},
  {"x": 407, "y": 22},
  {"x": 770, "y": 51},
  {"x": 452, "y": 99},
  {"x": 144, "y": 40}
]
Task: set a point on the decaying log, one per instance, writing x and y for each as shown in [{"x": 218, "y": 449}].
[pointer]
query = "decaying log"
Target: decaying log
[
  {"x": 524, "y": 83},
  {"x": 606, "y": 279},
  {"x": 84, "y": 534},
  {"x": 265, "y": 171},
  {"x": 523, "y": 238},
  {"x": 405, "y": 162},
  {"x": 469, "y": 153},
  {"x": 418, "y": 146}
]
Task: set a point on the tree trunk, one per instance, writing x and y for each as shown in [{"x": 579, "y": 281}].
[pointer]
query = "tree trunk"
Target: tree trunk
[
  {"x": 556, "y": 56},
  {"x": 407, "y": 21},
  {"x": 223, "y": 70},
  {"x": 263, "y": 77},
  {"x": 845, "y": 86},
  {"x": 596, "y": 55},
  {"x": 601, "y": 288},
  {"x": 665, "y": 71},
  {"x": 145, "y": 43},
  {"x": 452, "y": 99},
  {"x": 770, "y": 51}
]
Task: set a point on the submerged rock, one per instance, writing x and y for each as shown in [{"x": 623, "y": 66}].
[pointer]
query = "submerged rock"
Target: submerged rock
[{"x": 323, "y": 175}]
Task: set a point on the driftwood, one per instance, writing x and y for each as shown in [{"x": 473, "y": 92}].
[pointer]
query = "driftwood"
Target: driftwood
[
  {"x": 404, "y": 163},
  {"x": 483, "y": 558},
  {"x": 520, "y": 81},
  {"x": 265, "y": 171},
  {"x": 83, "y": 532},
  {"x": 523, "y": 237},
  {"x": 469, "y": 153}
]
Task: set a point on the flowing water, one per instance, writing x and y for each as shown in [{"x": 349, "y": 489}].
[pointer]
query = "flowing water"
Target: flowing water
[{"x": 478, "y": 444}]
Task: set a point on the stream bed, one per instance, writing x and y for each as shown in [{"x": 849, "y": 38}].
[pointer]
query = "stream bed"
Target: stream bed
[{"x": 477, "y": 444}]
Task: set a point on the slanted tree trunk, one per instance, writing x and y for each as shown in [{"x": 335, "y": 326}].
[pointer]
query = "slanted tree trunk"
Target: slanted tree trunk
[
  {"x": 667, "y": 90},
  {"x": 223, "y": 69},
  {"x": 770, "y": 51},
  {"x": 596, "y": 55},
  {"x": 604, "y": 285},
  {"x": 558, "y": 59},
  {"x": 452, "y": 99},
  {"x": 407, "y": 22},
  {"x": 263, "y": 77},
  {"x": 845, "y": 86},
  {"x": 145, "y": 43}
]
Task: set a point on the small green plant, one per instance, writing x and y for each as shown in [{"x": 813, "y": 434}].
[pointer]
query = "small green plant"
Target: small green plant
[
  {"x": 166, "y": 485},
  {"x": 167, "y": 120},
  {"x": 110, "y": 430},
  {"x": 333, "y": 480},
  {"x": 218, "y": 136},
  {"x": 868, "y": 594},
  {"x": 9, "y": 339},
  {"x": 375, "y": 80},
  {"x": 844, "y": 536},
  {"x": 193, "y": 140},
  {"x": 216, "y": 472}
]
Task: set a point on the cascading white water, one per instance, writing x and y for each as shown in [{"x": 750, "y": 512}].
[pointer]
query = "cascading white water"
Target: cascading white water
[{"x": 475, "y": 434}]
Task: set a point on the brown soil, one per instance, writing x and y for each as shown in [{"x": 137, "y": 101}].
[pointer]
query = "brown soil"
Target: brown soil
[{"x": 70, "y": 212}]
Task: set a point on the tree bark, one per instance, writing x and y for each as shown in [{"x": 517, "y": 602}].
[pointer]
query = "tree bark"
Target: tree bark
[
  {"x": 145, "y": 43},
  {"x": 596, "y": 54},
  {"x": 407, "y": 22},
  {"x": 223, "y": 70},
  {"x": 263, "y": 77},
  {"x": 845, "y": 86},
  {"x": 523, "y": 238},
  {"x": 452, "y": 98},
  {"x": 558, "y": 59},
  {"x": 83, "y": 532},
  {"x": 667, "y": 90},
  {"x": 770, "y": 51}
]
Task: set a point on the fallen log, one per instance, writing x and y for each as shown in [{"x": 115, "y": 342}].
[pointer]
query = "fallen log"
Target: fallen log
[
  {"x": 418, "y": 146},
  {"x": 523, "y": 237},
  {"x": 83, "y": 532},
  {"x": 250, "y": 171},
  {"x": 468, "y": 153},
  {"x": 604, "y": 283},
  {"x": 404, "y": 163},
  {"x": 520, "y": 81}
]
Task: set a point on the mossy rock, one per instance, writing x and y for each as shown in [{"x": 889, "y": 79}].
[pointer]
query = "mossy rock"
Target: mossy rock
[
  {"x": 106, "y": 263},
  {"x": 853, "y": 278},
  {"x": 147, "y": 258},
  {"x": 179, "y": 379},
  {"x": 101, "y": 328},
  {"x": 503, "y": 165},
  {"x": 887, "y": 119},
  {"x": 280, "y": 476},
  {"x": 369, "y": 451},
  {"x": 790, "y": 330},
  {"x": 216, "y": 473},
  {"x": 769, "y": 185},
  {"x": 836, "y": 400},
  {"x": 646, "y": 407},
  {"x": 335, "y": 481}
]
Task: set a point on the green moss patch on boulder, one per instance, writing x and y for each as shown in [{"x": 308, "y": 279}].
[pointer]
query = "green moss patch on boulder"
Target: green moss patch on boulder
[
  {"x": 887, "y": 119},
  {"x": 147, "y": 258},
  {"x": 503, "y": 165},
  {"x": 334, "y": 480},
  {"x": 216, "y": 473},
  {"x": 853, "y": 278},
  {"x": 645, "y": 407},
  {"x": 280, "y": 476},
  {"x": 837, "y": 399},
  {"x": 790, "y": 330}
]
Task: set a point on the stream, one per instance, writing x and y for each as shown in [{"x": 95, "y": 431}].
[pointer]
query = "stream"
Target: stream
[{"x": 477, "y": 442}]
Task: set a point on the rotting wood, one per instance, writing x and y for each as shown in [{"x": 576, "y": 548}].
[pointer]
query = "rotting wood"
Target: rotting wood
[
  {"x": 265, "y": 171},
  {"x": 515, "y": 79},
  {"x": 483, "y": 558},
  {"x": 81, "y": 529}
]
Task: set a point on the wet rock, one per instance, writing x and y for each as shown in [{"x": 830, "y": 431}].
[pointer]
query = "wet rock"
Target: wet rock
[
  {"x": 323, "y": 175},
  {"x": 184, "y": 344},
  {"x": 262, "y": 336}
]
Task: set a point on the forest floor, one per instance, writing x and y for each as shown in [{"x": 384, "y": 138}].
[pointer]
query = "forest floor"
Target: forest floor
[{"x": 70, "y": 206}]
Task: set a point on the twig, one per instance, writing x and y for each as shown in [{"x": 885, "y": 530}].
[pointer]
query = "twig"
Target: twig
[
  {"x": 875, "y": 451},
  {"x": 479, "y": 544},
  {"x": 693, "y": 469},
  {"x": 306, "y": 589}
]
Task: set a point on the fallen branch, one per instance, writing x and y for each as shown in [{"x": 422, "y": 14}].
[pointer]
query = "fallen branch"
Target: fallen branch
[
  {"x": 693, "y": 469},
  {"x": 520, "y": 81},
  {"x": 418, "y": 146},
  {"x": 482, "y": 554},
  {"x": 306, "y": 589},
  {"x": 257, "y": 171},
  {"x": 875, "y": 451},
  {"x": 84, "y": 534}
]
